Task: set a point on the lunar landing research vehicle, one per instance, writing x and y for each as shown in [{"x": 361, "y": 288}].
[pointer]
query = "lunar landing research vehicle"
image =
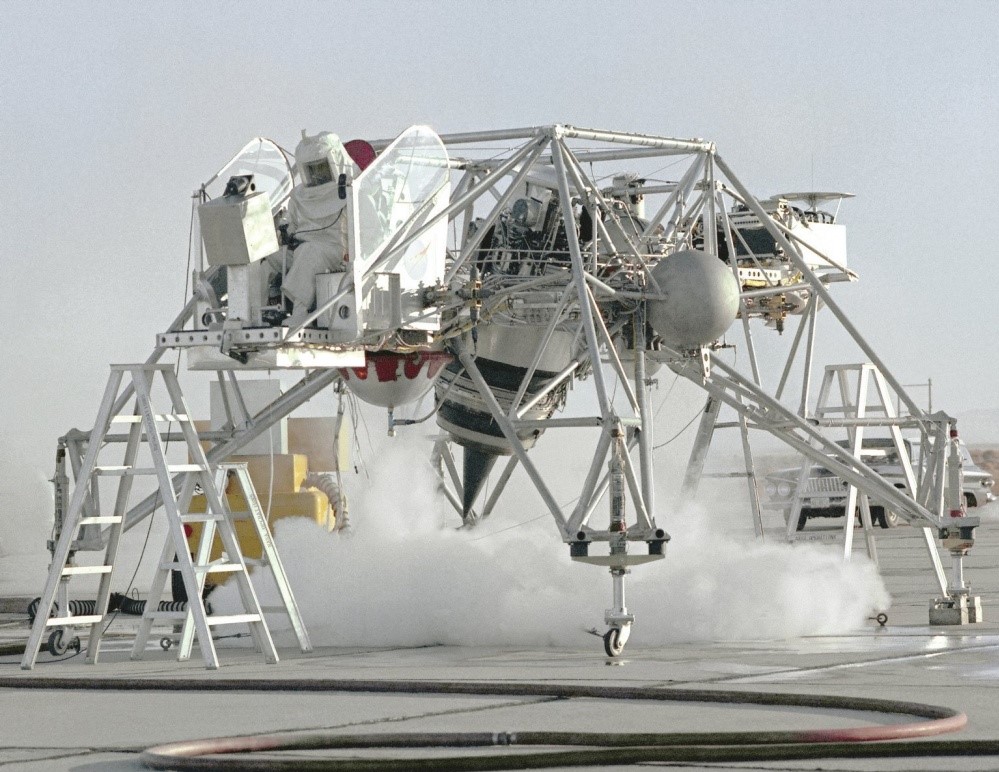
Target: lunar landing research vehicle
[{"x": 486, "y": 275}]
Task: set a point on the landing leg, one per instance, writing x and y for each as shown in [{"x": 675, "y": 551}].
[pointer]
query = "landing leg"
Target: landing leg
[{"x": 617, "y": 618}]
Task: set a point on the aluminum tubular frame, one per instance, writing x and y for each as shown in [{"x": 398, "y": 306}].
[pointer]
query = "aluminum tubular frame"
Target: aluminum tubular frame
[
  {"x": 918, "y": 419},
  {"x": 697, "y": 196},
  {"x": 747, "y": 404}
]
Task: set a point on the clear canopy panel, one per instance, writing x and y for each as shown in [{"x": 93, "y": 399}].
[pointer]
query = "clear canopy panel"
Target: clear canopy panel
[
  {"x": 268, "y": 164},
  {"x": 406, "y": 186}
]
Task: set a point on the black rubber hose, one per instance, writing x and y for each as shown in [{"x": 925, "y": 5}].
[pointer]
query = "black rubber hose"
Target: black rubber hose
[
  {"x": 76, "y": 608},
  {"x": 198, "y": 755},
  {"x": 117, "y": 602},
  {"x": 138, "y": 607},
  {"x": 588, "y": 749}
]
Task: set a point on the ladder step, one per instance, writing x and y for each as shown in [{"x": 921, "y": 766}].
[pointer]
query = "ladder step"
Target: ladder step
[
  {"x": 213, "y": 568},
  {"x": 202, "y": 517},
  {"x": 110, "y": 519},
  {"x": 134, "y": 419},
  {"x": 70, "y": 621},
  {"x": 234, "y": 619},
  {"x": 175, "y": 615},
  {"x": 219, "y": 568},
  {"x": 125, "y": 471},
  {"x": 73, "y": 570}
]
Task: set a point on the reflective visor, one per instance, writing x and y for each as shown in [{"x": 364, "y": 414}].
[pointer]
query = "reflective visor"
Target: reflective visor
[{"x": 317, "y": 173}]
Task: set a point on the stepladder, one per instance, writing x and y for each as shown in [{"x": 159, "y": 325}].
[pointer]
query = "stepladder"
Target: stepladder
[
  {"x": 146, "y": 454},
  {"x": 216, "y": 531},
  {"x": 856, "y": 397}
]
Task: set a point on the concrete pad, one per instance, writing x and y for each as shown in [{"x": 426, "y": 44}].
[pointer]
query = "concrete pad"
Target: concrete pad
[{"x": 908, "y": 659}]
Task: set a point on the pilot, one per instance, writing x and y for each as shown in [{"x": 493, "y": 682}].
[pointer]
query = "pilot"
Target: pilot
[{"x": 317, "y": 217}]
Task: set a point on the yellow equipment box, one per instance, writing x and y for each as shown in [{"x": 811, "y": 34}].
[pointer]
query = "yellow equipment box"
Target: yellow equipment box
[{"x": 309, "y": 503}]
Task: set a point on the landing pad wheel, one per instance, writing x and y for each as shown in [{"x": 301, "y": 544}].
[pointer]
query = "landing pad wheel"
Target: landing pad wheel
[
  {"x": 613, "y": 642},
  {"x": 59, "y": 643}
]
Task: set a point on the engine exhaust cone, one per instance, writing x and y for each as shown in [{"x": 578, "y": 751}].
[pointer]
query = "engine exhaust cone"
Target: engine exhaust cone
[{"x": 476, "y": 469}]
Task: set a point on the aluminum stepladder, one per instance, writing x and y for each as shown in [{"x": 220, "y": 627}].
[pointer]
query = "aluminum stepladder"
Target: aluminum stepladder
[
  {"x": 852, "y": 406},
  {"x": 219, "y": 523},
  {"x": 144, "y": 424},
  {"x": 856, "y": 409}
]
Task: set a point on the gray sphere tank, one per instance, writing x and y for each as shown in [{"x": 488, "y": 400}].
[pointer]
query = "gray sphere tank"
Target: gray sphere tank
[{"x": 702, "y": 299}]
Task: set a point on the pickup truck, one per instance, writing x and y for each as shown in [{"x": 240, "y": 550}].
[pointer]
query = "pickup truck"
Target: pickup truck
[{"x": 825, "y": 493}]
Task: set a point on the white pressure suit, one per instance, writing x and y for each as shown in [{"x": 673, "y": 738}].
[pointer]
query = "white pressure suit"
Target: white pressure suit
[{"x": 317, "y": 217}]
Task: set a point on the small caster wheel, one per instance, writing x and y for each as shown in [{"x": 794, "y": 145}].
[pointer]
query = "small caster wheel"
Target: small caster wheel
[
  {"x": 57, "y": 644},
  {"x": 613, "y": 642},
  {"x": 882, "y": 619},
  {"x": 166, "y": 643}
]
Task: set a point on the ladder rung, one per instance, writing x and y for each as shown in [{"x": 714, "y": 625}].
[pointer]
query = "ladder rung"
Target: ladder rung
[
  {"x": 219, "y": 568},
  {"x": 216, "y": 568},
  {"x": 124, "y": 471},
  {"x": 178, "y": 615},
  {"x": 234, "y": 619},
  {"x": 213, "y": 568},
  {"x": 134, "y": 419},
  {"x": 726, "y": 474},
  {"x": 202, "y": 517},
  {"x": 71, "y": 570},
  {"x": 70, "y": 621},
  {"x": 100, "y": 520}
]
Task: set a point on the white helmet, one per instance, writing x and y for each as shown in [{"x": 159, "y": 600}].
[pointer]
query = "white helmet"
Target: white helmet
[{"x": 321, "y": 159}]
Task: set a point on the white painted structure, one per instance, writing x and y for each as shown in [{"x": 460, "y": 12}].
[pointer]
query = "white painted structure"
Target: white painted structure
[{"x": 509, "y": 252}]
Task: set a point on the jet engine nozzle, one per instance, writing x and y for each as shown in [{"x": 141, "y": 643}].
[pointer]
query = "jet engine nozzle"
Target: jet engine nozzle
[{"x": 504, "y": 358}]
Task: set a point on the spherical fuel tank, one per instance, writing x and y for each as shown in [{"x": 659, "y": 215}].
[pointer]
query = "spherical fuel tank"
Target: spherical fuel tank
[{"x": 702, "y": 299}]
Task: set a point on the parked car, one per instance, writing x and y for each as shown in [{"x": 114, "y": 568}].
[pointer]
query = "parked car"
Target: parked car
[{"x": 825, "y": 493}]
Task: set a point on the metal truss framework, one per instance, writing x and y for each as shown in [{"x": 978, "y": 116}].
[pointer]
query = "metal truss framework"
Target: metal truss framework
[
  {"x": 699, "y": 200},
  {"x": 598, "y": 291}
]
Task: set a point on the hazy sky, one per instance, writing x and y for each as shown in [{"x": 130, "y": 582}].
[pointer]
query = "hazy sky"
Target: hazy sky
[{"x": 113, "y": 113}]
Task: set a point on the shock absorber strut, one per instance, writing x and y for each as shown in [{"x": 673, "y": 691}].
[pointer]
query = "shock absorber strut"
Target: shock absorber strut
[{"x": 617, "y": 617}]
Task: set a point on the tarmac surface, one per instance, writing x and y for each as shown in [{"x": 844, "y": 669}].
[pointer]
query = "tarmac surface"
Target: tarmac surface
[{"x": 908, "y": 660}]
